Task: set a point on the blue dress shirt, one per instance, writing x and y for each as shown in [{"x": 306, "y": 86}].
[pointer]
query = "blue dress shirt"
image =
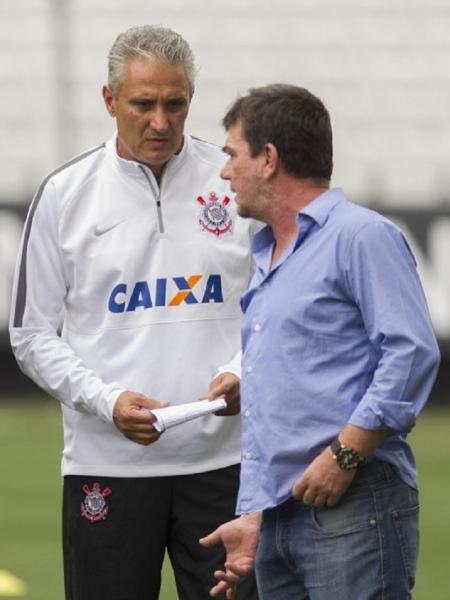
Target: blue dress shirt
[{"x": 337, "y": 332}]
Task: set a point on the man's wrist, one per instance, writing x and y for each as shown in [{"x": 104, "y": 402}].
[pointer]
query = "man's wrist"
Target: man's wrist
[
  {"x": 228, "y": 371},
  {"x": 252, "y": 517},
  {"x": 346, "y": 457}
]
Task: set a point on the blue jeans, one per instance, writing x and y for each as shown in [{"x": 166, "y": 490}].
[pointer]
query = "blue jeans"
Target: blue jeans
[{"x": 365, "y": 548}]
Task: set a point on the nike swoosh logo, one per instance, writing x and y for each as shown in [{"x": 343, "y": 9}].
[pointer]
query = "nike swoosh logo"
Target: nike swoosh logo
[{"x": 101, "y": 229}]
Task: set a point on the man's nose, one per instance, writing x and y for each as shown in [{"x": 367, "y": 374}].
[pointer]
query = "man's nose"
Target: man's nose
[
  {"x": 224, "y": 172},
  {"x": 159, "y": 120}
]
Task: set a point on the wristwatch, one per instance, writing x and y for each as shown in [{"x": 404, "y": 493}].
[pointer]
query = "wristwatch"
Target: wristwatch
[{"x": 346, "y": 458}]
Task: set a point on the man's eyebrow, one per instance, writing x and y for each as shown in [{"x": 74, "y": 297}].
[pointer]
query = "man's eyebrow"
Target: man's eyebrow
[
  {"x": 141, "y": 99},
  {"x": 226, "y": 149}
]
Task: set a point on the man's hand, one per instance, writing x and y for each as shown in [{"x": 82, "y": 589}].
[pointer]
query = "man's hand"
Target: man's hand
[
  {"x": 240, "y": 538},
  {"x": 323, "y": 482},
  {"x": 133, "y": 418},
  {"x": 228, "y": 386}
]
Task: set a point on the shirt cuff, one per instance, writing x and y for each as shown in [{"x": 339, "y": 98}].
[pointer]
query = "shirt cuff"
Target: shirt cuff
[
  {"x": 384, "y": 414},
  {"x": 234, "y": 366},
  {"x": 106, "y": 404}
]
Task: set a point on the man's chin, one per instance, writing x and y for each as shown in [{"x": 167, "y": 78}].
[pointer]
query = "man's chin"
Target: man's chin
[
  {"x": 243, "y": 211},
  {"x": 154, "y": 160}
]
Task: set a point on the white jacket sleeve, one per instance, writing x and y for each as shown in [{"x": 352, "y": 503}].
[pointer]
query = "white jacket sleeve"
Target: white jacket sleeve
[
  {"x": 39, "y": 291},
  {"x": 234, "y": 366}
]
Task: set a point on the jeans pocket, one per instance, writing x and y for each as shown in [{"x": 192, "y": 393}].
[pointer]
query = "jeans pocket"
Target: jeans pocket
[
  {"x": 406, "y": 525},
  {"x": 352, "y": 514}
]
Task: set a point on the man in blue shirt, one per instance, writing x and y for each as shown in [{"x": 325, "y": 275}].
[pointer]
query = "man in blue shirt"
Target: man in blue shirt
[{"x": 339, "y": 357}]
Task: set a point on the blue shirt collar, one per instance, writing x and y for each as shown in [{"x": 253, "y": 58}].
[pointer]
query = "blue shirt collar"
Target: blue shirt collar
[{"x": 318, "y": 210}]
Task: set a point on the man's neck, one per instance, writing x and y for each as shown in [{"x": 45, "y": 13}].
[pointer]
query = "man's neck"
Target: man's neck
[
  {"x": 125, "y": 152},
  {"x": 291, "y": 197}
]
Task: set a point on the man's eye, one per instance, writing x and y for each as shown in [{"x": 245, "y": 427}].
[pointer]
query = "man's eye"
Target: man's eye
[
  {"x": 178, "y": 103},
  {"x": 143, "y": 104}
]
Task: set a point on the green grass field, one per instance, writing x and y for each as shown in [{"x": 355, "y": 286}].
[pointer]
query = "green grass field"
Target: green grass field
[{"x": 30, "y": 493}]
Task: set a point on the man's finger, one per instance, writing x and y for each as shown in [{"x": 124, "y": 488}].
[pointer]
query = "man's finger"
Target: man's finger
[
  {"x": 299, "y": 490},
  {"x": 309, "y": 498},
  {"x": 320, "y": 501},
  {"x": 333, "y": 499},
  {"x": 144, "y": 440},
  {"x": 210, "y": 540},
  {"x": 231, "y": 592},
  {"x": 228, "y": 576},
  {"x": 241, "y": 569},
  {"x": 150, "y": 404},
  {"x": 219, "y": 588},
  {"x": 136, "y": 429},
  {"x": 144, "y": 428}
]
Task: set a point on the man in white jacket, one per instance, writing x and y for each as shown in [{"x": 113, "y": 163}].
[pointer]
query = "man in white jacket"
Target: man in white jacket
[{"x": 126, "y": 296}]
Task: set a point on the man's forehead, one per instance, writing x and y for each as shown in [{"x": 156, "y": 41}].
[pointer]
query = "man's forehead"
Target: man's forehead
[
  {"x": 235, "y": 133},
  {"x": 152, "y": 72}
]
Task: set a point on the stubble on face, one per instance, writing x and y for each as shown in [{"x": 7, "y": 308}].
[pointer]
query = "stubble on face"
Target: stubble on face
[
  {"x": 252, "y": 204},
  {"x": 244, "y": 173}
]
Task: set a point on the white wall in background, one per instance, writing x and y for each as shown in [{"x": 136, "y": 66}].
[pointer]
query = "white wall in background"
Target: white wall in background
[{"x": 382, "y": 67}]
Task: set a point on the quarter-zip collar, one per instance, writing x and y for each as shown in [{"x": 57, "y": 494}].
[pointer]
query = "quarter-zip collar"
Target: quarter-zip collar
[
  {"x": 136, "y": 169},
  {"x": 133, "y": 168}
]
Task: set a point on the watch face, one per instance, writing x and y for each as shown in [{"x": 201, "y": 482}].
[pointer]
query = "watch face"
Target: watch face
[{"x": 348, "y": 459}]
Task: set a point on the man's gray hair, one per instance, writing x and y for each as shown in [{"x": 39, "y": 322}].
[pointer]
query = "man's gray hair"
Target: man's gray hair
[{"x": 150, "y": 41}]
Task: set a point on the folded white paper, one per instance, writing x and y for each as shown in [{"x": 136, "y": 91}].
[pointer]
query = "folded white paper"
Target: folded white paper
[{"x": 175, "y": 415}]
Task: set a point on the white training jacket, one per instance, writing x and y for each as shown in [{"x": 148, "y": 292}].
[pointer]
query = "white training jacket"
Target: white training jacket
[{"x": 123, "y": 285}]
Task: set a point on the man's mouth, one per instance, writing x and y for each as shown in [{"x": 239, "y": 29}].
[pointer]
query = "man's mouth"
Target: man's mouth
[{"x": 154, "y": 140}]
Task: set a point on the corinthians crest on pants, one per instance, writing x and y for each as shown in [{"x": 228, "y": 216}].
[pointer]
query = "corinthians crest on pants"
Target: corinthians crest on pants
[
  {"x": 214, "y": 214},
  {"x": 93, "y": 507}
]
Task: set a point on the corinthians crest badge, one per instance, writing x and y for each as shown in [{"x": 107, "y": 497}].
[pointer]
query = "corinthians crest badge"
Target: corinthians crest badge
[
  {"x": 214, "y": 214},
  {"x": 93, "y": 507}
]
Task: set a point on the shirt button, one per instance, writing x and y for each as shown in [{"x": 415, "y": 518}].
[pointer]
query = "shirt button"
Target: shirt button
[
  {"x": 249, "y": 369},
  {"x": 247, "y": 455},
  {"x": 247, "y": 413},
  {"x": 257, "y": 327}
]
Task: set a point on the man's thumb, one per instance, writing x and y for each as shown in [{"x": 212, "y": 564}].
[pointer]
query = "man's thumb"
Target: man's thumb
[
  {"x": 150, "y": 404},
  {"x": 210, "y": 540}
]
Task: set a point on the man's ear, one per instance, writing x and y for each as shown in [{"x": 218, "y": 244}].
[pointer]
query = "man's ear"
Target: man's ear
[
  {"x": 271, "y": 161},
  {"x": 108, "y": 99}
]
